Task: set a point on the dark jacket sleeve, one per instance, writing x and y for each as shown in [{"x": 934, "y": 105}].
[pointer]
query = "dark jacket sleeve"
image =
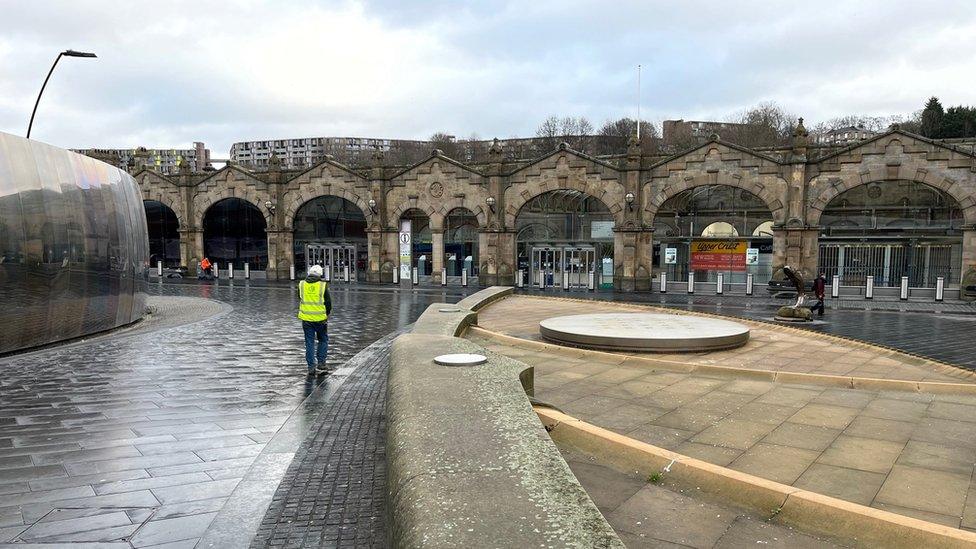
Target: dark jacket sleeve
[{"x": 328, "y": 301}]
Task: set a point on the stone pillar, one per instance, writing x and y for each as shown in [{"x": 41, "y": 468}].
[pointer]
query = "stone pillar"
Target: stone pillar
[
  {"x": 496, "y": 250},
  {"x": 632, "y": 240},
  {"x": 968, "y": 250},
  {"x": 191, "y": 249},
  {"x": 437, "y": 251},
  {"x": 797, "y": 246},
  {"x": 375, "y": 256},
  {"x": 281, "y": 253},
  {"x": 632, "y": 257},
  {"x": 389, "y": 244}
]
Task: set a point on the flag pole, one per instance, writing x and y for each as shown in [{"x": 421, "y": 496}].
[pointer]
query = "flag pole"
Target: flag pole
[{"x": 638, "y": 100}]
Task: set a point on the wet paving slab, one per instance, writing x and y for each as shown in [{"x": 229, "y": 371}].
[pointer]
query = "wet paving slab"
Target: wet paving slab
[
  {"x": 944, "y": 336},
  {"x": 139, "y": 438}
]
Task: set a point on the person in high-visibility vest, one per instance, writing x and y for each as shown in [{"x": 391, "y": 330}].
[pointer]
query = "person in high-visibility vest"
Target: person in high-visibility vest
[{"x": 314, "y": 306}]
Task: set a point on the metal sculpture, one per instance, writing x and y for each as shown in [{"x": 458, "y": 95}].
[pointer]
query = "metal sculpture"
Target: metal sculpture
[{"x": 797, "y": 280}]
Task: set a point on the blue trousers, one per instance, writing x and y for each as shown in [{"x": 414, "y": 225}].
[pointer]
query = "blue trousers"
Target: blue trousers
[{"x": 315, "y": 353}]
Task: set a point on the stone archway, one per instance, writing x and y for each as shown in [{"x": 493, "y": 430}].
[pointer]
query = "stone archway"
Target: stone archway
[
  {"x": 203, "y": 202},
  {"x": 234, "y": 230},
  {"x": 679, "y": 183},
  {"x": 436, "y": 215},
  {"x": 563, "y": 175},
  {"x": 332, "y": 227},
  {"x": 294, "y": 200},
  {"x": 150, "y": 193}
]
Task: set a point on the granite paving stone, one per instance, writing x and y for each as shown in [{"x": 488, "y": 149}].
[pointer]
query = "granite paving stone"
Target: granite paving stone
[
  {"x": 905, "y": 451},
  {"x": 170, "y": 414}
]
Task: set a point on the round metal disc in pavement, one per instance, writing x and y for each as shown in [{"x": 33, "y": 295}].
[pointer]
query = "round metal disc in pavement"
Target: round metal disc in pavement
[
  {"x": 645, "y": 332},
  {"x": 460, "y": 359}
]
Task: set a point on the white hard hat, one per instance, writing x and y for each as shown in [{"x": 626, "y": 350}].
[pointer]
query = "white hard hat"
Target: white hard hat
[{"x": 315, "y": 270}]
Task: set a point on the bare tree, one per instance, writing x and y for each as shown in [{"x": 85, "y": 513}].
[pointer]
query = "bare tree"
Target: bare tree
[
  {"x": 548, "y": 132},
  {"x": 576, "y": 131},
  {"x": 614, "y": 136},
  {"x": 765, "y": 125},
  {"x": 446, "y": 143}
]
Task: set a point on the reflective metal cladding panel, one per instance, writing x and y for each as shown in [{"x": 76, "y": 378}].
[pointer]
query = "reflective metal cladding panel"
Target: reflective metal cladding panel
[{"x": 73, "y": 245}]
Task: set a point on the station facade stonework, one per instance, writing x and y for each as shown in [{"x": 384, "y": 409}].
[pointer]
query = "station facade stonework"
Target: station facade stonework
[{"x": 795, "y": 188}]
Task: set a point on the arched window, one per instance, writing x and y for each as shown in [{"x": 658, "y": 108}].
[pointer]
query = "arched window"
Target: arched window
[
  {"x": 720, "y": 229},
  {"x": 688, "y": 213},
  {"x": 763, "y": 229},
  {"x": 891, "y": 229}
]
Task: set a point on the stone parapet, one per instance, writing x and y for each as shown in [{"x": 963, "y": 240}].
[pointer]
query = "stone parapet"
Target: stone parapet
[
  {"x": 469, "y": 463},
  {"x": 485, "y": 297}
]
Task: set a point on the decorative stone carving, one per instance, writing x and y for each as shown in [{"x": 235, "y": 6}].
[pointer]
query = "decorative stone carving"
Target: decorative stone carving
[{"x": 436, "y": 189}]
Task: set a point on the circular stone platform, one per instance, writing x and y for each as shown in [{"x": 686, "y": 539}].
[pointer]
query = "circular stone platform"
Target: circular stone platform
[{"x": 644, "y": 332}]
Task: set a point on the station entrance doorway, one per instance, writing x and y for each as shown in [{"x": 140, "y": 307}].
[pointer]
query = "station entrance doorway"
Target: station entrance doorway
[
  {"x": 551, "y": 265},
  {"x": 335, "y": 260}
]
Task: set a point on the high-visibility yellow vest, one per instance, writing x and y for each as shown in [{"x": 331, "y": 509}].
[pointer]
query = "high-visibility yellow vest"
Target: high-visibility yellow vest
[{"x": 312, "y": 305}]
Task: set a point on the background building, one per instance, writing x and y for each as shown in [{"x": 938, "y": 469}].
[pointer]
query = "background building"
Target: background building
[
  {"x": 301, "y": 153},
  {"x": 676, "y": 131},
  {"x": 844, "y": 136},
  {"x": 166, "y": 161}
]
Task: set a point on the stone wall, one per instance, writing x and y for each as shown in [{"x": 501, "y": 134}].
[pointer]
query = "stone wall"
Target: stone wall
[{"x": 794, "y": 188}]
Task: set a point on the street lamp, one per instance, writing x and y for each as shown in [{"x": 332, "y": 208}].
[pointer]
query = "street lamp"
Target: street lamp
[
  {"x": 372, "y": 205},
  {"x": 491, "y": 203},
  {"x": 629, "y": 199},
  {"x": 65, "y": 53}
]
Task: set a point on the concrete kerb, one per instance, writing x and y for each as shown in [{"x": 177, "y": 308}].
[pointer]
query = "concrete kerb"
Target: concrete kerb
[
  {"x": 468, "y": 460},
  {"x": 777, "y": 502}
]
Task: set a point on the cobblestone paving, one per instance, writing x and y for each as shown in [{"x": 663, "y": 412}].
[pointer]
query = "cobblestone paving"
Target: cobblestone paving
[
  {"x": 909, "y": 453},
  {"x": 137, "y": 439},
  {"x": 333, "y": 494},
  {"x": 944, "y": 335}
]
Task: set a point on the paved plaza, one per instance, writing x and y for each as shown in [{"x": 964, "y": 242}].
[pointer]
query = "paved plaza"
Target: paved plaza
[
  {"x": 140, "y": 438},
  {"x": 943, "y": 335},
  {"x": 198, "y": 427},
  {"x": 638, "y": 510},
  {"x": 906, "y": 452}
]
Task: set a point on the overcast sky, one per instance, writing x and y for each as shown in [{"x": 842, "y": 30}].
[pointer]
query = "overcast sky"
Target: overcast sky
[{"x": 172, "y": 72}]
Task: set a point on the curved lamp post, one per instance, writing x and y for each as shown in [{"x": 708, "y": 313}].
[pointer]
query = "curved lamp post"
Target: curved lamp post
[{"x": 65, "y": 53}]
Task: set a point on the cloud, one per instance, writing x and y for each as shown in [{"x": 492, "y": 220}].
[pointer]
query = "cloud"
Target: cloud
[{"x": 170, "y": 73}]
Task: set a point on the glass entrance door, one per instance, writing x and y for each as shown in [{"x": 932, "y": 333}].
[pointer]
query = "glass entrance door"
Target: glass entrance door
[
  {"x": 334, "y": 258},
  {"x": 579, "y": 261},
  {"x": 547, "y": 267}
]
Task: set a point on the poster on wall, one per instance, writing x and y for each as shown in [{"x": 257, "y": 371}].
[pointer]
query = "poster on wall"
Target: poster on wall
[
  {"x": 752, "y": 256},
  {"x": 670, "y": 256},
  {"x": 405, "y": 248},
  {"x": 711, "y": 255}
]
